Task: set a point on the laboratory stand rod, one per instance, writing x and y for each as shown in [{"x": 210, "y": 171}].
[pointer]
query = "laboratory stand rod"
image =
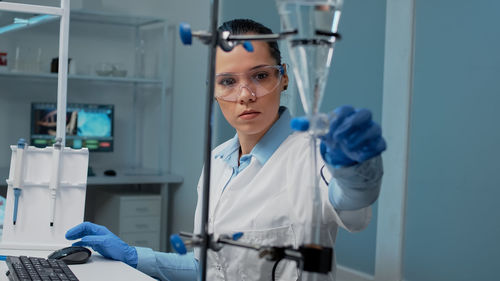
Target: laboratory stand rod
[
  {"x": 261, "y": 37},
  {"x": 62, "y": 81},
  {"x": 208, "y": 138}
]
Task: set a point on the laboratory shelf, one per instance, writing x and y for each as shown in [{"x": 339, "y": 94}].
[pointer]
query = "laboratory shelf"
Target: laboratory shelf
[
  {"x": 53, "y": 76},
  {"x": 134, "y": 179},
  {"x": 111, "y": 18},
  {"x": 84, "y": 16}
]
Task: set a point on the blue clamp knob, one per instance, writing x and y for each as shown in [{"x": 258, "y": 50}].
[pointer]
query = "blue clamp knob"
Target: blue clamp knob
[
  {"x": 185, "y": 33},
  {"x": 21, "y": 143},
  {"x": 248, "y": 46},
  {"x": 178, "y": 244},
  {"x": 300, "y": 124},
  {"x": 236, "y": 236}
]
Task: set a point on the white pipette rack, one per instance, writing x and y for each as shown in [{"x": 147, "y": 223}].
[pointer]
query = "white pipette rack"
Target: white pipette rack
[{"x": 32, "y": 229}]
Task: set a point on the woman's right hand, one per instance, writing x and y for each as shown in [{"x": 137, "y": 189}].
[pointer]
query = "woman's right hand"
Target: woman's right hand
[{"x": 103, "y": 241}]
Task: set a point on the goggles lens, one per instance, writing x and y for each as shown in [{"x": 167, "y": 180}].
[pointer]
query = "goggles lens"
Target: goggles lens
[{"x": 260, "y": 81}]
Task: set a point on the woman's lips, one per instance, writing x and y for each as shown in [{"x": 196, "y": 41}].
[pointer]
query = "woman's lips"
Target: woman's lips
[{"x": 248, "y": 115}]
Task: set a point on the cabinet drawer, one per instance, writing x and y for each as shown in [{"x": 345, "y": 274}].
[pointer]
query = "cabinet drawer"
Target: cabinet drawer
[
  {"x": 139, "y": 224},
  {"x": 147, "y": 239},
  {"x": 140, "y": 207}
]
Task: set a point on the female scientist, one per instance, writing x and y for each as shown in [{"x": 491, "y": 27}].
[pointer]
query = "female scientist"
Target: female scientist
[{"x": 259, "y": 180}]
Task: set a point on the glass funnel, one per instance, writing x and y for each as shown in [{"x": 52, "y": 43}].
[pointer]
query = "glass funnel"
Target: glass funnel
[{"x": 311, "y": 49}]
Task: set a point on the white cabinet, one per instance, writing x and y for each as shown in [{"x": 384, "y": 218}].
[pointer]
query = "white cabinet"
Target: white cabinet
[{"x": 135, "y": 218}]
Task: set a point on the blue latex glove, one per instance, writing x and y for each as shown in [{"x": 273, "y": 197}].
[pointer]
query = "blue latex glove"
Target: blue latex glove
[
  {"x": 103, "y": 241},
  {"x": 353, "y": 137}
]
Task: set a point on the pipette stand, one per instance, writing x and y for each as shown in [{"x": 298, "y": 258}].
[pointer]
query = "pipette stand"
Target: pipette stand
[{"x": 32, "y": 229}]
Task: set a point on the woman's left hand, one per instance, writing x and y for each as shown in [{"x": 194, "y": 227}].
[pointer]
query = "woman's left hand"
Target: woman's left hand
[{"x": 353, "y": 137}]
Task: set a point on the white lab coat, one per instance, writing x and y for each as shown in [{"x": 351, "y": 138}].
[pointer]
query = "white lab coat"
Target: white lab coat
[{"x": 272, "y": 205}]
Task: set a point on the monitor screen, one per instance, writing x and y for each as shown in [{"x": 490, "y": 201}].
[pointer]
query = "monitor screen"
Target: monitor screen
[{"x": 87, "y": 125}]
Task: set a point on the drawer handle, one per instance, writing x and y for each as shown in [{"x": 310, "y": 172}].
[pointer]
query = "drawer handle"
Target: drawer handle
[
  {"x": 141, "y": 225},
  {"x": 143, "y": 209}
]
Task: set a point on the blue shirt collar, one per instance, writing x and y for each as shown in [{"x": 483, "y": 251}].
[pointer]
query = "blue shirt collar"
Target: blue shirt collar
[{"x": 273, "y": 138}]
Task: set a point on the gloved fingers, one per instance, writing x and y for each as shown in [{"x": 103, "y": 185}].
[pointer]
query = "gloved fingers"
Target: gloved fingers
[
  {"x": 84, "y": 229},
  {"x": 91, "y": 245},
  {"x": 322, "y": 147},
  {"x": 96, "y": 246},
  {"x": 358, "y": 138},
  {"x": 95, "y": 240},
  {"x": 358, "y": 120},
  {"x": 80, "y": 243},
  {"x": 373, "y": 148},
  {"x": 335, "y": 156},
  {"x": 366, "y": 150},
  {"x": 341, "y": 113}
]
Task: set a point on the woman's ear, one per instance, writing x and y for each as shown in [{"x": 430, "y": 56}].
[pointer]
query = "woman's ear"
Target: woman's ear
[{"x": 285, "y": 78}]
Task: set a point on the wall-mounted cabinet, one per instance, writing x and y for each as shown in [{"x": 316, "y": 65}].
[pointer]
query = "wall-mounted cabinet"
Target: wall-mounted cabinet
[{"x": 114, "y": 59}]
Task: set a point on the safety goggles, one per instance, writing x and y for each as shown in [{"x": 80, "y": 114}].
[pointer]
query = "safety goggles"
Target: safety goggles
[{"x": 259, "y": 81}]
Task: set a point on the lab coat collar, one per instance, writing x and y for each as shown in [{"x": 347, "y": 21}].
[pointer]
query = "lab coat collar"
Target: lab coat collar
[
  {"x": 274, "y": 137},
  {"x": 266, "y": 146}
]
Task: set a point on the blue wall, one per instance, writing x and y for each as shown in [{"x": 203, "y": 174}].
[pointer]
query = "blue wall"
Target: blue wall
[
  {"x": 355, "y": 78},
  {"x": 453, "y": 226}
]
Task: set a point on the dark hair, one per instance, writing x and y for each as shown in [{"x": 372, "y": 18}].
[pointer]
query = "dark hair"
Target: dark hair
[{"x": 245, "y": 26}]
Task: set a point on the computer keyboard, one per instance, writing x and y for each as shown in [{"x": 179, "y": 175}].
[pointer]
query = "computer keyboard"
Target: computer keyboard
[{"x": 38, "y": 269}]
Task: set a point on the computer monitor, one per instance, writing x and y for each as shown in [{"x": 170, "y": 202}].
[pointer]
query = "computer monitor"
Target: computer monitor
[{"x": 87, "y": 125}]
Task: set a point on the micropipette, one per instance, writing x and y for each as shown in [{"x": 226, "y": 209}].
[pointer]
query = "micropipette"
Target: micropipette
[
  {"x": 17, "y": 176},
  {"x": 54, "y": 179}
]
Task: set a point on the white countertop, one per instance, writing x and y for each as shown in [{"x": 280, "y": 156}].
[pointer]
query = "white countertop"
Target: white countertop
[{"x": 96, "y": 269}]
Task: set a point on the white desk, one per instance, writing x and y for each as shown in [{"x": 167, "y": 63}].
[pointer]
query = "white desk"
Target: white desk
[{"x": 96, "y": 269}]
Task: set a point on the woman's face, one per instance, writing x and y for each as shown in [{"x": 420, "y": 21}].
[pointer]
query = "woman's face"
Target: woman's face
[{"x": 249, "y": 115}]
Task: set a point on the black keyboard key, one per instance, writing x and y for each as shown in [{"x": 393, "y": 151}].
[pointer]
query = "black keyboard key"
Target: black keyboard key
[
  {"x": 53, "y": 263},
  {"x": 44, "y": 263}
]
